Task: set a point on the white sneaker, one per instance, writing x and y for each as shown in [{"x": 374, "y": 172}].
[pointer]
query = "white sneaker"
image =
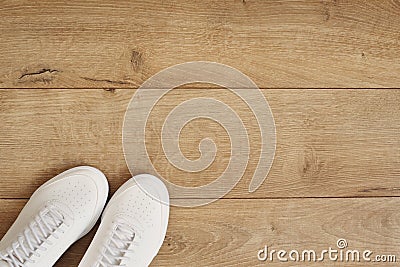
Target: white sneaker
[
  {"x": 133, "y": 225},
  {"x": 58, "y": 213}
]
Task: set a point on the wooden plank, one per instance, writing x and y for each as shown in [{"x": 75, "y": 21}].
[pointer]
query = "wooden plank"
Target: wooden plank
[
  {"x": 330, "y": 143},
  {"x": 284, "y": 44},
  {"x": 230, "y": 232}
]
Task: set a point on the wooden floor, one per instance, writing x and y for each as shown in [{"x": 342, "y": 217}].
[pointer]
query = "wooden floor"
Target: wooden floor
[{"x": 329, "y": 70}]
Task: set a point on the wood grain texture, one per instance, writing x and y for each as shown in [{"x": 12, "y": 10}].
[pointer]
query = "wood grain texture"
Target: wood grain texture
[
  {"x": 330, "y": 143},
  {"x": 336, "y": 172},
  {"x": 235, "y": 230},
  {"x": 284, "y": 44}
]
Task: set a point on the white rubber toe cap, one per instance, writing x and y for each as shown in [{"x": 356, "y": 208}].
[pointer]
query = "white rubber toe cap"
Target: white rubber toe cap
[
  {"x": 83, "y": 190},
  {"x": 153, "y": 187}
]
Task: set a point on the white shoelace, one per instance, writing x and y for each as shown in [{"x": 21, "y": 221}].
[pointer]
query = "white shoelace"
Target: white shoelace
[
  {"x": 37, "y": 233},
  {"x": 118, "y": 244}
]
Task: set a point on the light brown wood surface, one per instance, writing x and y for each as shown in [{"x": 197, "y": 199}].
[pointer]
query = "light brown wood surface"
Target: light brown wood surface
[
  {"x": 285, "y": 44},
  {"x": 230, "y": 232},
  {"x": 322, "y": 64},
  {"x": 331, "y": 143}
]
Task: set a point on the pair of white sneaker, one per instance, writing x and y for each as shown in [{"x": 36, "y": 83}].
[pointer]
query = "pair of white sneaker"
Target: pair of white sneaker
[{"x": 65, "y": 208}]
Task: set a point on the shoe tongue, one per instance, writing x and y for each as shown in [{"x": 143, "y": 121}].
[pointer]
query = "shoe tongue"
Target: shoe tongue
[
  {"x": 122, "y": 237},
  {"x": 53, "y": 223}
]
